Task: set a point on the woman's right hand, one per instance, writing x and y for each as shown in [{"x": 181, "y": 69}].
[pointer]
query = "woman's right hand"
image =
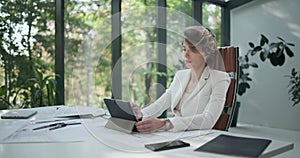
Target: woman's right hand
[{"x": 137, "y": 111}]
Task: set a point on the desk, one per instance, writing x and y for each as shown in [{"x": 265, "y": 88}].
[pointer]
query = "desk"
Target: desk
[{"x": 93, "y": 148}]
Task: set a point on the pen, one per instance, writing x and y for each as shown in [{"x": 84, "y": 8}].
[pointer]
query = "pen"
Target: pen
[
  {"x": 56, "y": 125},
  {"x": 61, "y": 125},
  {"x": 51, "y": 125},
  {"x": 56, "y": 120}
]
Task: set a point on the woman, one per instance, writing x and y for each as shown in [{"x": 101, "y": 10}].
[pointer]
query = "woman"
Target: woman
[{"x": 197, "y": 94}]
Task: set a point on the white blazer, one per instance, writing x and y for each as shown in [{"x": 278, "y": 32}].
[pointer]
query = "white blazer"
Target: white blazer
[{"x": 201, "y": 109}]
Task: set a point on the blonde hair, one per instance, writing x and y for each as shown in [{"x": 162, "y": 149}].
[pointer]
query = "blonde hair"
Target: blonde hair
[{"x": 202, "y": 40}]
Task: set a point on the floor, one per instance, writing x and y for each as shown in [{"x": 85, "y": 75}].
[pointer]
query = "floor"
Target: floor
[{"x": 273, "y": 133}]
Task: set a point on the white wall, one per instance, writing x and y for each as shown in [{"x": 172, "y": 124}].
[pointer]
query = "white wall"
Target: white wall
[{"x": 267, "y": 102}]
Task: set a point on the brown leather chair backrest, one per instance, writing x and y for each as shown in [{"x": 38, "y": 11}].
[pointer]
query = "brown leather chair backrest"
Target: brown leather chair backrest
[{"x": 230, "y": 58}]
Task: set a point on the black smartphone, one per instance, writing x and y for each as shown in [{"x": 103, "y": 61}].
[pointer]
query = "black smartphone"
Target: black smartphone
[{"x": 167, "y": 145}]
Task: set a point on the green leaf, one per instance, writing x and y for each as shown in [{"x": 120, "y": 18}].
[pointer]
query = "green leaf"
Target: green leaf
[
  {"x": 263, "y": 55},
  {"x": 255, "y": 50},
  {"x": 294, "y": 72},
  {"x": 246, "y": 66},
  {"x": 243, "y": 87},
  {"x": 264, "y": 38},
  {"x": 246, "y": 58},
  {"x": 249, "y": 79},
  {"x": 262, "y": 42},
  {"x": 273, "y": 59},
  {"x": 288, "y": 51},
  {"x": 274, "y": 45},
  {"x": 253, "y": 65},
  {"x": 251, "y": 45},
  {"x": 247, "y": 85},
  {"x": 280, "y": 39},
  {"x": 281, "y": 58},
  {"x": 2, "y": 90},
  {"x": 244, "y": 76}
]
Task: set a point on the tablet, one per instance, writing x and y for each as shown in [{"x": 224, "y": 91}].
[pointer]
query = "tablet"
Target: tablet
[
  {"x": 18, "y": 114},
  {"x": 120, "y": 109}
]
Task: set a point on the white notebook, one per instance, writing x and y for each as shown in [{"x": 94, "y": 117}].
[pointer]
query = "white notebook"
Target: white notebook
[{"x": 18, "y": 114}]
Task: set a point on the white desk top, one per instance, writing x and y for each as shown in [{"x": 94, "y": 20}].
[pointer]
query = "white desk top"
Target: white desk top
[{"x": 95, "y": 147}]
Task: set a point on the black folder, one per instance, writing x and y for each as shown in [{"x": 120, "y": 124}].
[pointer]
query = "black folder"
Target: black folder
[{"x": 235, "y": 146}]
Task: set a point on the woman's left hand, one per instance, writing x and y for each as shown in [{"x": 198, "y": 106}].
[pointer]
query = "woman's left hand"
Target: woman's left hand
[
  {"x": 149, "y": 125},
  {"x": 137, "y": 111}
]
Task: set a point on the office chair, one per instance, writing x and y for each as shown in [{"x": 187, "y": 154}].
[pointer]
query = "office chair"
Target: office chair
[{"x": 230, "y": 57}]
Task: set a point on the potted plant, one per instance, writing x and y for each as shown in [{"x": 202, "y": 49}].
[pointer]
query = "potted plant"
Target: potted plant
[
  {"x": 273, "y": 51},
  {"x": 294, "y": 85}
]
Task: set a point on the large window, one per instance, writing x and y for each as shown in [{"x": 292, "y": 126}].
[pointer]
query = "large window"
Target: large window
[
  {"x": 212, "y": 19},
  {"x": 27, "y": 53},
  {"x": 87, "y": 52},
  {"x": 28, "y": 49}
]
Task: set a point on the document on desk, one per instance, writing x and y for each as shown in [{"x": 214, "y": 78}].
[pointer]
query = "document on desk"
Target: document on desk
[
  {"x": 10, "y": 126},
  {"x": 135, "y": 142},
  {"x": 78, "y": 111},
  {"x": 22, "y": 132}
]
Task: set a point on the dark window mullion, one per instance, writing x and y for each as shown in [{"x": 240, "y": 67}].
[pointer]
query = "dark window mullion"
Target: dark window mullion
[
  {"x": 59, "y": 52},
  {"x": 197, "y": 11},
  {"x": 161, "y": 47},
  {"x": 116, "y": 51},
  {"x": 225, "y": 26}
]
